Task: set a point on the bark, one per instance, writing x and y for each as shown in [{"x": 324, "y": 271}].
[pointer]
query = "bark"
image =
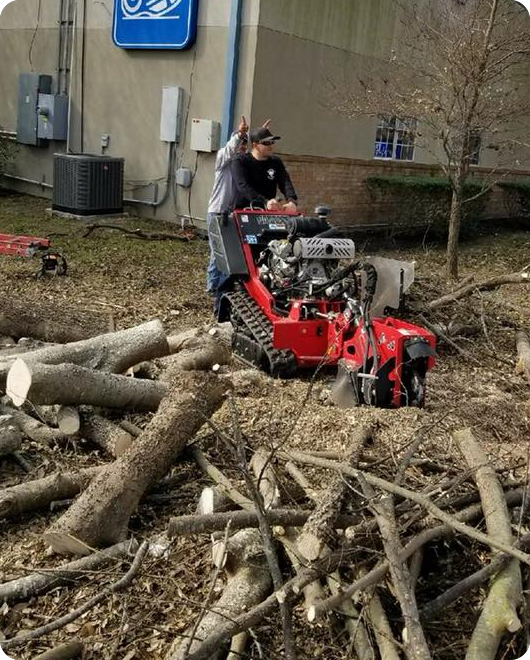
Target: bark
[
  {"x": 101, "y": 515},
  {"x": 32, "y": 428},
  {"x": 65, "y": 418},
  {"x": 487, "y": 285},
  {"x": 39, "y": 319},
  {"x": 105, "y": 434},
  {"x": 499, "y": 614},
  {"x": 201, "y": 358},
  {"x": 246, "y": 587},
  {"x": 455, "y": 217},
  {"x": 65, "y": 651},
  {"x": 10, "y": 436},
  {"x": 320, "y": 527},
  {"x": 71, "y": 385},
  {"x": 214, "y": 500},
  {"x": 40, "y": 493},
  {"x": 41, "y": 582},
  {"x": 523, "y": 354},
  {"x": 266, "y": 481},
  {"x": 216, "y": 522},
  {"x": 113, "y": 352}
]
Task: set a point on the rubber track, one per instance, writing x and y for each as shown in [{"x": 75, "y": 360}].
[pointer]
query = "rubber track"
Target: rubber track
[{"x": 281, "y": 362}]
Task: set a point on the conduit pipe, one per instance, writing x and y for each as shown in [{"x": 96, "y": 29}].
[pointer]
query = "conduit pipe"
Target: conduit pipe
[{"x": 232, "y": 61}]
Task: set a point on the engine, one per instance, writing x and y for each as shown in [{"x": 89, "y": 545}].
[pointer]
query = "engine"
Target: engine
[{"x": 305, "y": 267}]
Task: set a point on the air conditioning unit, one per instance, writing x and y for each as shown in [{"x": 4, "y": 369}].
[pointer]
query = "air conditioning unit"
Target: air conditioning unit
[{"x": 85, "y": 184}]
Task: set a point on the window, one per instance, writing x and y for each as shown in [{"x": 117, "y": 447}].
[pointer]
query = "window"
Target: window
[
  {"x": 474, "y": 143},
  {"x": 394, "y": 138}
]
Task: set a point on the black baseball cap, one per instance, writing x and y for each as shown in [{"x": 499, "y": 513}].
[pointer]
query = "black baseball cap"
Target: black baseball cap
[{"x": 262, "y": 135}]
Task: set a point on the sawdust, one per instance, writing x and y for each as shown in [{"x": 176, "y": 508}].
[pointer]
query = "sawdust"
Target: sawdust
[{"x": 139, "y": 280}]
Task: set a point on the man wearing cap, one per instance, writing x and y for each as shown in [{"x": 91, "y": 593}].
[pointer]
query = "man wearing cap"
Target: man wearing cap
[{"x": 259, "y": 174}]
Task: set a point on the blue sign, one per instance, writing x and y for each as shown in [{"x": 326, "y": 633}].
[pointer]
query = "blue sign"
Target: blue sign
[{"x": 168, "y": 24}]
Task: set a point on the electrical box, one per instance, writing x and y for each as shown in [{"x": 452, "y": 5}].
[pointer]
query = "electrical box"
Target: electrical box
[
  {"x": 183, "y": 177},
  {"x": 205, "y": 135},
  {"x": 52, "y": 117},
  {"x": 30, "y": 85},
  {"x": 171, "y": 114}
]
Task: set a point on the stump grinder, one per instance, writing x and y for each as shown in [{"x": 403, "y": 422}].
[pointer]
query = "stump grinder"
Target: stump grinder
[{"x": 298, "y": 299}]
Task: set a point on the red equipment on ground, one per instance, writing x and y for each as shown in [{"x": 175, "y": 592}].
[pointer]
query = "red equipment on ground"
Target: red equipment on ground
[
  {"x": 297, "y": 298},
  {"x": 22, "y": 246},
  {"x": 52, "y": 261}
]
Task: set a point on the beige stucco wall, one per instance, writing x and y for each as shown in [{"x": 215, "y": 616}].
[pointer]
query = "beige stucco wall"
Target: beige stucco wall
[{"x": 122, "y": 92}]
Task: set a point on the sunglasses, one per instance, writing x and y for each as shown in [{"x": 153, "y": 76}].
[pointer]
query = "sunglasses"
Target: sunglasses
[{"x": 268, "y": 143}]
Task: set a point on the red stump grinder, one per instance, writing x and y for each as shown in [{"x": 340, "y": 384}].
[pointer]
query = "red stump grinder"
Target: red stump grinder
[{"x": 298, "y": 299}]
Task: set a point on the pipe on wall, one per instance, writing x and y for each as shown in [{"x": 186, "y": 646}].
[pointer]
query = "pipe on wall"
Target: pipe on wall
[
  {"x": 42, "y": 183},
  {"x": 232, "y": 61}
]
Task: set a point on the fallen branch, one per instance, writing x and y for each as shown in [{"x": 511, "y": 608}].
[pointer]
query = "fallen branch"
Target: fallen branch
[
  {"x": 487, "y": 285},
  {"x": 138, "y": 233},
  {"x": 425, "y": 502},
  {"x": 499, "y": 614},
  {"x": 42, "y": 581},
  {"x": 216, "y": 522},
  {"x": 523, "y": 353},
  {"x": 122, "y": 584}
]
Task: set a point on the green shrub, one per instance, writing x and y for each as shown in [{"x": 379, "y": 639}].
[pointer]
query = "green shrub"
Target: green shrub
[
  {"x": 516, "y": 197},
  {"x": 423, "y": 203}
]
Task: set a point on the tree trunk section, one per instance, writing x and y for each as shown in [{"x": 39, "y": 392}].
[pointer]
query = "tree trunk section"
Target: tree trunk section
[
  {"x": 499, "y": 614},
  {"x": 39, "y": 583},
  {"x": 246, "y": 587},
  {"x": 105, "y": 434},
  {"x": 101, "y": 515},
  {"x": 40, "y": 493},
  {"x": 113, "y": 352},
  {"x": 10, "y": 436},
  {"x": 453, "y": 237},
  {"x": 523, "y": 354},
  {"x": 66, "y": 651},
  {"x": 70, "y": 384},
  {"x": 40, "y": 320},
  {"x": 32, "y": 428}
]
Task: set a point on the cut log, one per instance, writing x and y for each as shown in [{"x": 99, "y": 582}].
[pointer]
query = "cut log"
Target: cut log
[
  {"x": 41, "y": 582},
  {"x": 214, "y": 500},
  {"x": 319, "y": 527},
  {"x": 65, "y": 651},
  {"x": 499, "y": 615},
  {"x": 39, "y": 493},
  {"x": 107, "y": 435},
  {"x": 265, "y": 477},
  {"x": 70, "y": 384},
  {"x": 216, "y": 522},
  {"x": 523, "y": 353},
  {"x": 32, "y": 428},
  {"x": 39, "y": 319},
  {"x": 131, "y": 428},
  {"x": 247, "y": 586},
  {"x": 113, "y": 352},
  {"x": 200, "y": 358},
  {"x": 10, "y": 436},
  {"x": 100, "y": 516},
  {"x": 65, "y": 418}
]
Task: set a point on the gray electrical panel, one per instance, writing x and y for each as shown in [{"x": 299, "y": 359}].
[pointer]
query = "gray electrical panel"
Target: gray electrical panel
[
  {"x": 30, "y": 85},
  {"x": 52, "y": 117}
]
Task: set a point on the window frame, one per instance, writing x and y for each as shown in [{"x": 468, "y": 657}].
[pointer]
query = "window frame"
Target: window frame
[{"x": 401, "y": 127}]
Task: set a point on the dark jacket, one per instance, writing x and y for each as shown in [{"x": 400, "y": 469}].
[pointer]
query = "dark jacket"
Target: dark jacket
[{"x": 257, "y": 181}]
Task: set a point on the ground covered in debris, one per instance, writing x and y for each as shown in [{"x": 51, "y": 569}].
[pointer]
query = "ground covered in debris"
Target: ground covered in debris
[{"x": 127, "y": 280}]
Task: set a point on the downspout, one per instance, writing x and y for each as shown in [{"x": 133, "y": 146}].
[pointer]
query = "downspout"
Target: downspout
[{"x": 232, "y": 61}]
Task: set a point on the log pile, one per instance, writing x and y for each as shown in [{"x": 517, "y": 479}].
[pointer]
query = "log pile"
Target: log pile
[{"x": 346, "y": 542}]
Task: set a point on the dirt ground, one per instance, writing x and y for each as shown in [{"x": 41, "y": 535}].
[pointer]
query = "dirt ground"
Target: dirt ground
[{"x": 132, "y": 280}]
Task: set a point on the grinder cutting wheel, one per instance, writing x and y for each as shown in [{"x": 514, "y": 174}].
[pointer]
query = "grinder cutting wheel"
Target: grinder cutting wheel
[{"x": 299, "y": 299}]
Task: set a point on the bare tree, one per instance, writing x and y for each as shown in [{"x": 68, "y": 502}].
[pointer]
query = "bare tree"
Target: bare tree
[{"x": 460, "y": 75}]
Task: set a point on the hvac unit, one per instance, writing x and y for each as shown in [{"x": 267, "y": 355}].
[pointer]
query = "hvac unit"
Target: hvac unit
[{"x": 85, "y": 184}]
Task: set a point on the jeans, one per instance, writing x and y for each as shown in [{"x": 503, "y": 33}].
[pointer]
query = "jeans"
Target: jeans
[{"x": 214, "y": 277}]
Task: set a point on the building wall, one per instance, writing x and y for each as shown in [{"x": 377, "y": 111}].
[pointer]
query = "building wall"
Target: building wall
[{"x": 118, "y": 92}]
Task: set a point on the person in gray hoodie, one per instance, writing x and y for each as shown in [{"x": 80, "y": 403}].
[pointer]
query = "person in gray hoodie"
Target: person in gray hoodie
[{"x": 220, "y": 198}]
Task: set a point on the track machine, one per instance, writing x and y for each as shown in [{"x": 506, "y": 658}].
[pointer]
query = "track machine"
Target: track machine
[{"x": 298, "y": 299}]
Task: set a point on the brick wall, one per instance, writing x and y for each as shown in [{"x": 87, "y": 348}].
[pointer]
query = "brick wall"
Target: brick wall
[{"x": 339, "y": 184}]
